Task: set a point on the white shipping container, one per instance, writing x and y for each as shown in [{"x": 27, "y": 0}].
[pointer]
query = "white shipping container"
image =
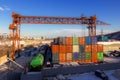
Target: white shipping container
[{"x": 75, "y": 48}]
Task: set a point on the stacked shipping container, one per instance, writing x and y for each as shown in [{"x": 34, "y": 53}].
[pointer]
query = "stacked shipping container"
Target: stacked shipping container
[{"x": 77, "y": 49}]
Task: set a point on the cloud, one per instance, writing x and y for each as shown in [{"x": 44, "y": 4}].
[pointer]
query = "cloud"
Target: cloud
[
  {"x": 1, "y": 9},
  {"x": 4, "y": 8}
]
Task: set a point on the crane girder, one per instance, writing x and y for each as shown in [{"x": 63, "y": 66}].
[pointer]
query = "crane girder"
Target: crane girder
[{"x": 18, "y": 19}]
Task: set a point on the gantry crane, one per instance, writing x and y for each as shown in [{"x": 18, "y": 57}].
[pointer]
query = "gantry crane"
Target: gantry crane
[{"x": 18, "y": 19}]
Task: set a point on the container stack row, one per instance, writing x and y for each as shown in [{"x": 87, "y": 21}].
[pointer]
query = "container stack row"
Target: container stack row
[{"x": 77, "y": 49}]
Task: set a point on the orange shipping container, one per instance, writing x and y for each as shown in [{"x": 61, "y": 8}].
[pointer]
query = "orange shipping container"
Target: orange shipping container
[
  {"x": 94, "y": 48},
  {"x": 69, "y": 40},
  {"x": 94, "y": 57},
  {"x": 69, "y": 48},
  {"x": 55, "y": 48},
  {"x": 62, "y": 57},
  {"x": 62, "y": 49},
  {"x": 87, "y": 48},
  {"x": 100, "y": 48},
  {"x": 81, "y": 40}
]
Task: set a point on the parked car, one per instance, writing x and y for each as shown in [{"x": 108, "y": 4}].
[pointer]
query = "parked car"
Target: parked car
[{"x": 101, "y": 75}]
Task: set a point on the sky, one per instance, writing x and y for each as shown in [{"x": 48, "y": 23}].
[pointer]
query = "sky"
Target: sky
[{"x": 105, "y": 10}]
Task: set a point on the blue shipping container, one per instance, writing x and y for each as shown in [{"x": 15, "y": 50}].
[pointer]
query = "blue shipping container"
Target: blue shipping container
[{"x": 88, "y": 40}]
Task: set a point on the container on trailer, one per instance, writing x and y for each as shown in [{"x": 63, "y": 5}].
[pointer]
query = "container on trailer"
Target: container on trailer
[
  {"x": 55, "y": 48},
  {"x": 81, "y": 40},
  {"x": 62, "y": 49},
  {"x": 75, "y": 48},
  {"x": 69, "y": 40},
  {"x": 75, "y": 40},
  {"x": 69, "y": 48}
]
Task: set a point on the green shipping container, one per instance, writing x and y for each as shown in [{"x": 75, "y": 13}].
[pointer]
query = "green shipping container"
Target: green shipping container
[
  {"x": 100, "y": 56},
  {"x": 55, "y": 58},
  {"x": 88, "y": 56},
  {"x": 75, "y": 40}
]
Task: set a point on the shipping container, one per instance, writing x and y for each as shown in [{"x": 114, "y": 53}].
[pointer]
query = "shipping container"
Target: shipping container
[
  {"x": 62, "y": 49},
  {"x": 62, "y": 40},
  {"x": 81, "y": 40},
  {"x": 68, "y": 57},
  {"x": 75, "y": 48},
  {"x": 88, "y": 40},
  {"x": 94, "y": 47},
  {"x": 94, "y": 40},
  {"x": 76, "y": 56},
  {"x": 88, "y": 48},
  {"x": 100, "y": 48},
  {"x": 55, "y": 48},
  {"x": 69, "y": 40},
  {"x": 94, "y": 57},
  {"x": 75, "y": 40},
  {"x": 69, "y": 48},
  {"x": 62, "y": 57},
  {"x": 82, "y": 48},
  {"x": 82, "y": 57},
  {"x": 100, "y": 56},
  {"x": 88, "y": 56},
  {"x": 55, "y": 58}
]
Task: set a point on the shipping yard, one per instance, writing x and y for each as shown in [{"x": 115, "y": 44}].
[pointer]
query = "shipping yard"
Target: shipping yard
[{"x": 68, "y": 48}]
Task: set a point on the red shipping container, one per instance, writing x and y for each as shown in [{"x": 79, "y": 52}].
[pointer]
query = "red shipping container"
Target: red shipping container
[
  {"x": 55, "y": 48},
  {"x": 94, "y": 57},
  {"x": 69, "y": 40},
  {"x": 62, "y": 49},
  {"x": 69, "y": 48},
  {"x": 62, "y": 57},
  {"x": 100, "y": 48},
  {"x": 88, "y": 48},
  {"x": 81, "y": 40},
  {"x": 94, "y": 47}
]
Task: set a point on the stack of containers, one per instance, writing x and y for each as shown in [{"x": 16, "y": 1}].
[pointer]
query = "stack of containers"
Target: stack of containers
[
  {"x": 69, "y": 49},
  {"x": 76, "y": 54},
  {"x": 82, "y": 49},
  {"x": 55, "y": 53},
  {"x": 77, "y": 49},
  {"x": 100, "y": 52}
]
